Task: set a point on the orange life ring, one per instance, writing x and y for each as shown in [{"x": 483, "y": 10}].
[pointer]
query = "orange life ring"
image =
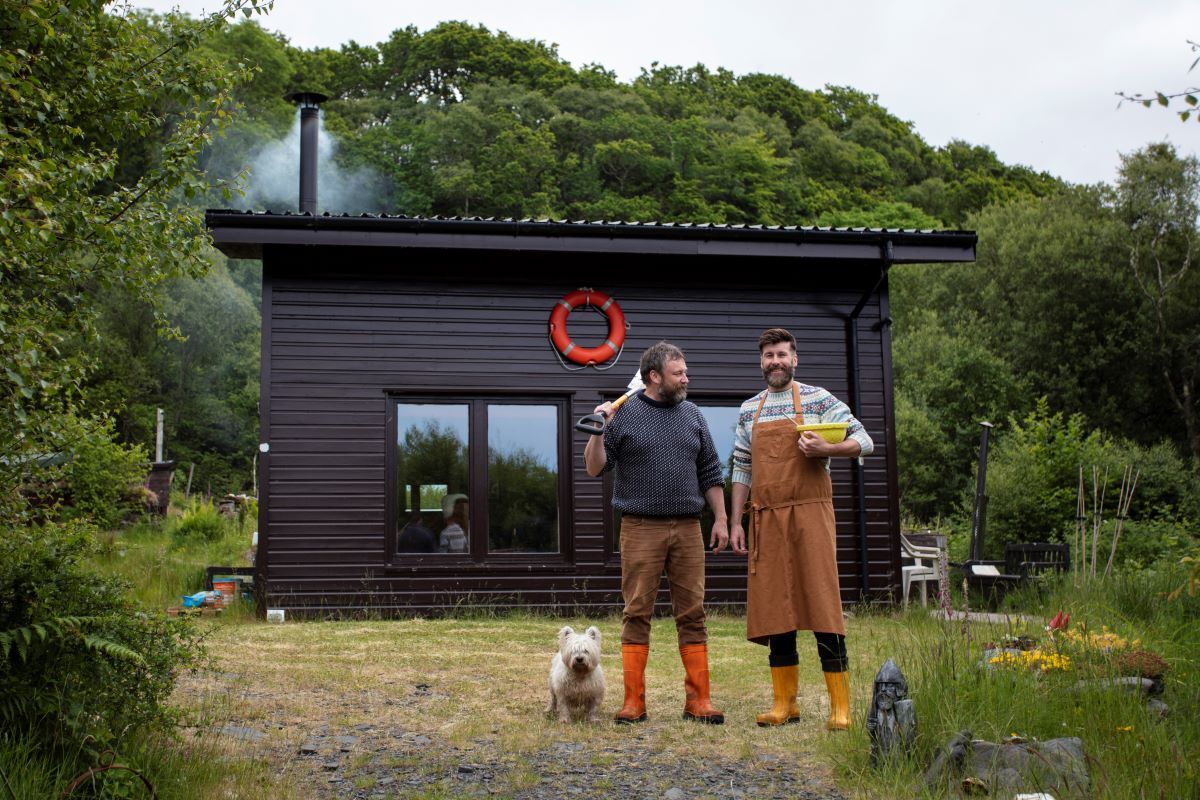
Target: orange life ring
[{"x": 587, "y": 356}]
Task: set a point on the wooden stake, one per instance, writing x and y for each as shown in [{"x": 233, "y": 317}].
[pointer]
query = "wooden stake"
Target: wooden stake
[
  {"x": 1122, "y": 512},
  {"x": 1098, "y": 512},
  {"x": 1080, "y": 521},
  {"x": 188, "y": 491}
]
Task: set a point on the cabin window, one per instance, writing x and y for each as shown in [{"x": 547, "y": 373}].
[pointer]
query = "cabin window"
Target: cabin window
[
  {"x": 432, "y": 462},
  {"x": 722, "y": 420},
  {"x": 476, "y": 478},
  {"x": 522, "y": 478}
]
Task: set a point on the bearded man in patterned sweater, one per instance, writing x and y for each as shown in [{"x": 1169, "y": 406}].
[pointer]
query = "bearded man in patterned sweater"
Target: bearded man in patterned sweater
[
  {"x": 792, "y": 582},
  {"x": 666, "y": 466}
]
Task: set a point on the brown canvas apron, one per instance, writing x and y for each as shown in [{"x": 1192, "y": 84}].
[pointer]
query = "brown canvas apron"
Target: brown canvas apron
[{"x": 793, "y": 579}]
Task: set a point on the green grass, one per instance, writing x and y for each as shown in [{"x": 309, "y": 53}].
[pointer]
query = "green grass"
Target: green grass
[
  {"x": 189, "y": 768},
  {"x": 165, "y": 559},
  {"x": 306, "y": 671},
  {"x": 1132, "y": 754}
]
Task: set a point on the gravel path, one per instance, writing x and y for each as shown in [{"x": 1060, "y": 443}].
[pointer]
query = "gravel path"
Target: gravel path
[
  {"x": 371, "y": 764},
  {"x": 330, "y": 755}
]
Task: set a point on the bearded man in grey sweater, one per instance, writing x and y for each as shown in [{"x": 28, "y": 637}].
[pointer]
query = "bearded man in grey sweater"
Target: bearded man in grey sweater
[{"x": 665, "y": 466}]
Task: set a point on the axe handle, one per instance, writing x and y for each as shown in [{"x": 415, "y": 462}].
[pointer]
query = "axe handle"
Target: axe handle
[{"x": 593, "y": 424}]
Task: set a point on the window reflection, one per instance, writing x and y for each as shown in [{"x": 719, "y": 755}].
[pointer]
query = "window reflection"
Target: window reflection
[
  {"x": 722, "y": 422},
  {"x": 522, "y": 478},
  {"x": 431, "y": 470}
]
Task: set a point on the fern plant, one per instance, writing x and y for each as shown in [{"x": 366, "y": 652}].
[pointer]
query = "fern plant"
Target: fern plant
[
  {"x": 80, "y": 666},
  {"x": 29, "y": 640}
]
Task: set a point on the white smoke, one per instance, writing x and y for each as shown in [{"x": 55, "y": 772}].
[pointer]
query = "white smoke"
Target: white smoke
[{"x": 274, "y": 180}]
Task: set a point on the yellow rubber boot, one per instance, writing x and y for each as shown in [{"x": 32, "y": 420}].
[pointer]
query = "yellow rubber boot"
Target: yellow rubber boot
[
  {"x": 633, "y": 662},
  {"x": 784, "y": 681},
  {"x": 838, "y": 684},
  {"x": 695, "y": 685}
]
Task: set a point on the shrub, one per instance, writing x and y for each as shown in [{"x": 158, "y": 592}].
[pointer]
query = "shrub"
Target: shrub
[
  {"x": 103, "y": 478},
  {"x": 78, "y": 664},
  {"x": 1033, "y": 488},
  {"x": 200, "y": 520},
  {"x": 1033, "y": 477}
]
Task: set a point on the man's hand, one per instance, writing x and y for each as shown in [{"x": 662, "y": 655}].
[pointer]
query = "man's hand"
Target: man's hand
[
  {"x": 737, "y": 539},
  {"x": 605, "y": 410},
  {"x": 720, "y": 535},
  {"x": 813, "y": 446}
]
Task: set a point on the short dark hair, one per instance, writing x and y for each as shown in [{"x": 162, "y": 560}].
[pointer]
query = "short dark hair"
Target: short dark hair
[
  {"x": 656, "y": 357},
  {"x": 776, "y": 336}
]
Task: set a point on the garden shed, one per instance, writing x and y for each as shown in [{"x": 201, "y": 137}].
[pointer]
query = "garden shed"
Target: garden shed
[{"x": 417, "y": 422}]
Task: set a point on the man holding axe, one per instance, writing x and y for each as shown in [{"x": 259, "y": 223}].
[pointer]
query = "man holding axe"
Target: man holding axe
[{"x": 666, "y": 466}]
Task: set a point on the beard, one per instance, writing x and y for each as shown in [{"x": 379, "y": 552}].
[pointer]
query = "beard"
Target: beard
[
  {"x": 673, "y": 396},
  {"x": 780, "y": 380}
]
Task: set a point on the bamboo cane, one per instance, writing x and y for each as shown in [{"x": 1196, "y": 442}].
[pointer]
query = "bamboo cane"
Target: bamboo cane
[
  {"x": 1098, "y": 519},
  {"x": 1122, "y": 514},
  {"x": 1112, "y": 551},
  {"x": 1080, "y": 520}
]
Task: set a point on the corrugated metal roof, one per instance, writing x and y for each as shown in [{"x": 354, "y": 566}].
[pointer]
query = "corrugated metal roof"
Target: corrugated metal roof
[
  {"x": 242, "y": 234},
  {"x": 604, "y": 223}
]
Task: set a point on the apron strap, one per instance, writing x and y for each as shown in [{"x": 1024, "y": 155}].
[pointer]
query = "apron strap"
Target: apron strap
[
  {"x": 797, "y": 412},
  {"x": 755, "y": 510}
]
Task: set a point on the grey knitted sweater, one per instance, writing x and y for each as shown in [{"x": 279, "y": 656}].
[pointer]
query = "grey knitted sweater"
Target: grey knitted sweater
[{"x": 664, "y": 458}]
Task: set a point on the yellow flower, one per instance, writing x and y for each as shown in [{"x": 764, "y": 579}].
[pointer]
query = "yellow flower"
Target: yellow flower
[{"x": 1125, "y": 728}]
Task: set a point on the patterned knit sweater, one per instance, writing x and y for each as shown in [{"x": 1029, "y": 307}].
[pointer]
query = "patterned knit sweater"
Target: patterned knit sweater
[
  {"x": 818, "y": 406},
  {"x": 664, "y": 458}
]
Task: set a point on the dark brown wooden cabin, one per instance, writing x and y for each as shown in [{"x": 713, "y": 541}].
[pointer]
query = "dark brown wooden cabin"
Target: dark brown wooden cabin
[{"x": 407, "y": 360}]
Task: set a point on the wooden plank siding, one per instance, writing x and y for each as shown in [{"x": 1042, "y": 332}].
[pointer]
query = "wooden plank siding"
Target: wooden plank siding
[{"x": 345, "y": 329}]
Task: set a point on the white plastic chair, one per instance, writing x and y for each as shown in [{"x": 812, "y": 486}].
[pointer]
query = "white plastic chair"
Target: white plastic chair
[{"x": 926, "y": 567}]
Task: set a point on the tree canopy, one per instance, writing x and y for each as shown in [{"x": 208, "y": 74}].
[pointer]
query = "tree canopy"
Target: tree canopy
[{"x": 462, "y": 121}]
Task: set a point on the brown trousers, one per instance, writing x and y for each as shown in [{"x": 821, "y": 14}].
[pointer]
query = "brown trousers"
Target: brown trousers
[{"x": 650, "y": 545}]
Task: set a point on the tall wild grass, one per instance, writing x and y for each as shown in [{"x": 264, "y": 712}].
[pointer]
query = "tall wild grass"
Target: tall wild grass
[
  {"x": 165, "y": 559},
  {"x": 1132, "y": 752}
]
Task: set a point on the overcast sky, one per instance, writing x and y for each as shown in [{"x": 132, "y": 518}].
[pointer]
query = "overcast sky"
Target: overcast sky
[{"x": 1035, "y": 81}]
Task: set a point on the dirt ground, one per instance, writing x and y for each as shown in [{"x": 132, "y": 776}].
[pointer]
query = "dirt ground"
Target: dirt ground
[{"x": 445, "y": 709}]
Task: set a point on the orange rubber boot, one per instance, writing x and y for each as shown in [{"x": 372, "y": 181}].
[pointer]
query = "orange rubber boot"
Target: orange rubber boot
[
  {"x": 633, "y": 661},
  {"x": 784, "y": 680},
  {"x": 695, "y": 685},
  {"x": 838, "y": 684}
]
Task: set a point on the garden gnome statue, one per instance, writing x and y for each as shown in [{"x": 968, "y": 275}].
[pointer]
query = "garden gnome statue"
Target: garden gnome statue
[{"x": 892, "y": 720}]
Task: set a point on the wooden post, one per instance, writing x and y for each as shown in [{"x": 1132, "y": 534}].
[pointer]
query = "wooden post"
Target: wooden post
[{"x": 188, "y": 491}]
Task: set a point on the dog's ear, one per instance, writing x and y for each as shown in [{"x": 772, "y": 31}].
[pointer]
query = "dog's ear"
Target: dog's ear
[
  {"x": 594, "y": 633},
  {"x": 566, "y": 631}
]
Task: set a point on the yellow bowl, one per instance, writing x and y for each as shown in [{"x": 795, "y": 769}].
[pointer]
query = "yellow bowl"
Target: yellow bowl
[{"x": 832, "y": 432}]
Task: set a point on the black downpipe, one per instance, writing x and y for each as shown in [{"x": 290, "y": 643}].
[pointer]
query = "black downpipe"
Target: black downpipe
[{"x": 856, "y": 394}]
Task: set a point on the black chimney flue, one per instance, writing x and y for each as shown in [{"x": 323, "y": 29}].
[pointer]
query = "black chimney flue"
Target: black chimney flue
[{"x": 310, "y": 125}]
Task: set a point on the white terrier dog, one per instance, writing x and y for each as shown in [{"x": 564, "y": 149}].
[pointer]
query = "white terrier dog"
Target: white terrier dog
[{"x": 576, "y": 678}]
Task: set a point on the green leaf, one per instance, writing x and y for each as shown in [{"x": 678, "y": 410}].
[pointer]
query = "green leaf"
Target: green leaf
[{"x": 1162, "y": 99}]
